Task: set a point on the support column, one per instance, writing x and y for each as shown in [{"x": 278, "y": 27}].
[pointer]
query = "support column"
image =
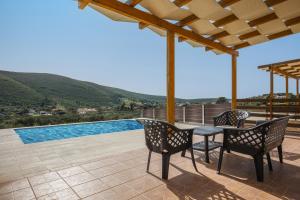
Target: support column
[
  {"x": 234, "y": 83},
  {"x": 286, "y": 87},
  {"x": 271, "y": 93},
  {"x": 170, "y": 77},
  {"x": 297, "y": 88}
]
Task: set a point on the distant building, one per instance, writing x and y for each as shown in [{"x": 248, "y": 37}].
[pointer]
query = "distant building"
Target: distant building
[
  {"x": 83, "y": 111},
  {"x": 32, "y": 112},
  {"x": 44, "y": 113}
]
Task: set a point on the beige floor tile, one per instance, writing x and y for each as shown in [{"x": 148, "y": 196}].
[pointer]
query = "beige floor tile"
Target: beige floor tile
[
  {"x": 43, "y": 178},
  {"x": 24, "y": 194},
  {"x": 90, "y": 188},
  {"x": 79, "y": 179},
  {"x": 50, "y": 187},
  {"x": 70, "y": 171},
  {"x": 105, "y": 195},
  {"x": 144, "y": 184},
  {"x": 66, "y": 194},
  {"x": 5, "y": 188},
  {"x": 20, "y": 184},
  {"x": 7, "y": 196},
  {"x": 98, "y": 164},
  {"x": 124, "y": 191}
]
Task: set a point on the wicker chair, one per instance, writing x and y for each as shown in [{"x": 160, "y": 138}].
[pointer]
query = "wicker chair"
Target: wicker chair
[
  {"x": 166, "y": 139},
  {"x": 257, "y": 142},
  {"x": 235, "y": 118}
]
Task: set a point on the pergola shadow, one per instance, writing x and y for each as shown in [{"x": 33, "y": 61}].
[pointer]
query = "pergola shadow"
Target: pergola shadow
[
  {"x": 282, "y": 182},
  {"x": 190, "y": 186}
]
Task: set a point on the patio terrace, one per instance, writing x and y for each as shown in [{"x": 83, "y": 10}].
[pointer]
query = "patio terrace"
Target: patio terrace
[{"x": 113, "y": 166}]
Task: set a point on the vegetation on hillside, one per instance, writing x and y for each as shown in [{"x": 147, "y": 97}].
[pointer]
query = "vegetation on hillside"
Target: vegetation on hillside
[{"x": 28, "y": 99}]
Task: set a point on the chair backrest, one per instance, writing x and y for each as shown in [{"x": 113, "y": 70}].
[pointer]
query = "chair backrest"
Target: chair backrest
[
  {"x": 237, "y": 118},
  {"x": 232, "y": 118},
  {"x": 276, "y": 132},
  {"x": 162, "y": 137}
]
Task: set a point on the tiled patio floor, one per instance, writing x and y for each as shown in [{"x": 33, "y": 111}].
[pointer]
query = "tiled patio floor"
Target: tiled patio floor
[{"x": 119, "y": 173}]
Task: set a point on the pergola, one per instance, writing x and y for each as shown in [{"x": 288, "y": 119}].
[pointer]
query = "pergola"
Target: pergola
[
  {"x": 221, "y": 26},
  {"x": 287, "y": 69}
]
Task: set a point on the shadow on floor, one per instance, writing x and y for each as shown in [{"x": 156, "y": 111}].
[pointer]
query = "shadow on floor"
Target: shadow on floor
[{"x": 282, "y": 182}]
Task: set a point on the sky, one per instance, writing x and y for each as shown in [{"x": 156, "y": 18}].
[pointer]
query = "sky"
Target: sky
[{"x": 56, "y": 37}]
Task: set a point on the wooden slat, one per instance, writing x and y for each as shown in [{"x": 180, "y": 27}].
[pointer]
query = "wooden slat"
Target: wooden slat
[
  {"x": 219, "y": 35},
  {"x": 188, "y": 20},
  {"x": 271, "y": 3},
  {"x": 249, "y": 35},
  {"x": 279, "y": 64},
  {"x": 225, "y": 20},
  {"x": 226, "y": 3},
  {"x": 242, "y": 45},
  {"x": 150, "y": 19},
  {"x": 262, "y": 20},
  {"x": 133, "y": 3},
  {"x": 181, "y": 3},
  {"x": 280, "y": 34},
  {"x": 292, "y": 21}
]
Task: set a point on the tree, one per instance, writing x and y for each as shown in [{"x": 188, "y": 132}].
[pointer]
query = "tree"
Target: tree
[{"x": 221, "y": 100}]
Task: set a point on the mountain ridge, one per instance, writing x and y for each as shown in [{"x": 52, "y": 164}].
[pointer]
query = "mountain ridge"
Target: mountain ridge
[{"x": 23, "y": 88}]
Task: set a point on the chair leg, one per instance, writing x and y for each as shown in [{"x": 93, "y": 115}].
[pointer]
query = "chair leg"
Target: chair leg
[
  {"x": 165, "y": 166},
  {"x": 279, "y": 148},
  {"x": 220, "y": 159},
  {"x": 193, "y": 159},
  {"x": 183, "y": 153},
  {"x": 228, "y": 150},
  {"x": 213, "y": 138},
  {"x": 259, "y": 167},
  {"x": 149, "y": 158},
  {"x": 269, "y": 162}
]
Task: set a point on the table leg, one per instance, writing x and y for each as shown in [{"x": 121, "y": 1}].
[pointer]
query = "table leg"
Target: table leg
[{"x": 206, "y": 149}]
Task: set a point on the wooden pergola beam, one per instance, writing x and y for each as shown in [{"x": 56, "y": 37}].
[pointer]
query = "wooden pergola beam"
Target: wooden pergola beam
[
  {"x": 271, "y": 3},
  {"x": 219, "y": 35},
  {"x": 225, "y": 20},
  {"x": 249, "y": 35},
  {"x": 188, "y": 20},
  {"x": 181, "y": 39},
  {"x": 181, "y": 3},
  {"x": 283, "y": 72},
  {"x": 263, "y": 19},
  {"x": 83, "y": 3},
  {"x": 133, "y": 3},
  {"x": 226, "y": 3},
  {"x": 142, "y": 25},
  {"x": 150, "y": 19}
]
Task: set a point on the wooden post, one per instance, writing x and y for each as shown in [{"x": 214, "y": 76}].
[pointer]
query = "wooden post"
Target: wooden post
[
  {"x": 286, "y": 87},
  {"x": 170, "y": 77},
  {"x": 297, "y": 88},
  {"x": 234, "y": 83},
  {"x": 271, "y": 93}
]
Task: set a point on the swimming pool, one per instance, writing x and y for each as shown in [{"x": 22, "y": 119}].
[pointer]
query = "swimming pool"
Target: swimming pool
[{"x": 58, "y": 132}]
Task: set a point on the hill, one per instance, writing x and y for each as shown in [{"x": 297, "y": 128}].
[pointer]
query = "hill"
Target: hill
[{"x": 31, "y": 89}]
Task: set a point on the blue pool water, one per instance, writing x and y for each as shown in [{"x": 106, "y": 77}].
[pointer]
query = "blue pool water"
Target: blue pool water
[{"x": 42, "y": 134}]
